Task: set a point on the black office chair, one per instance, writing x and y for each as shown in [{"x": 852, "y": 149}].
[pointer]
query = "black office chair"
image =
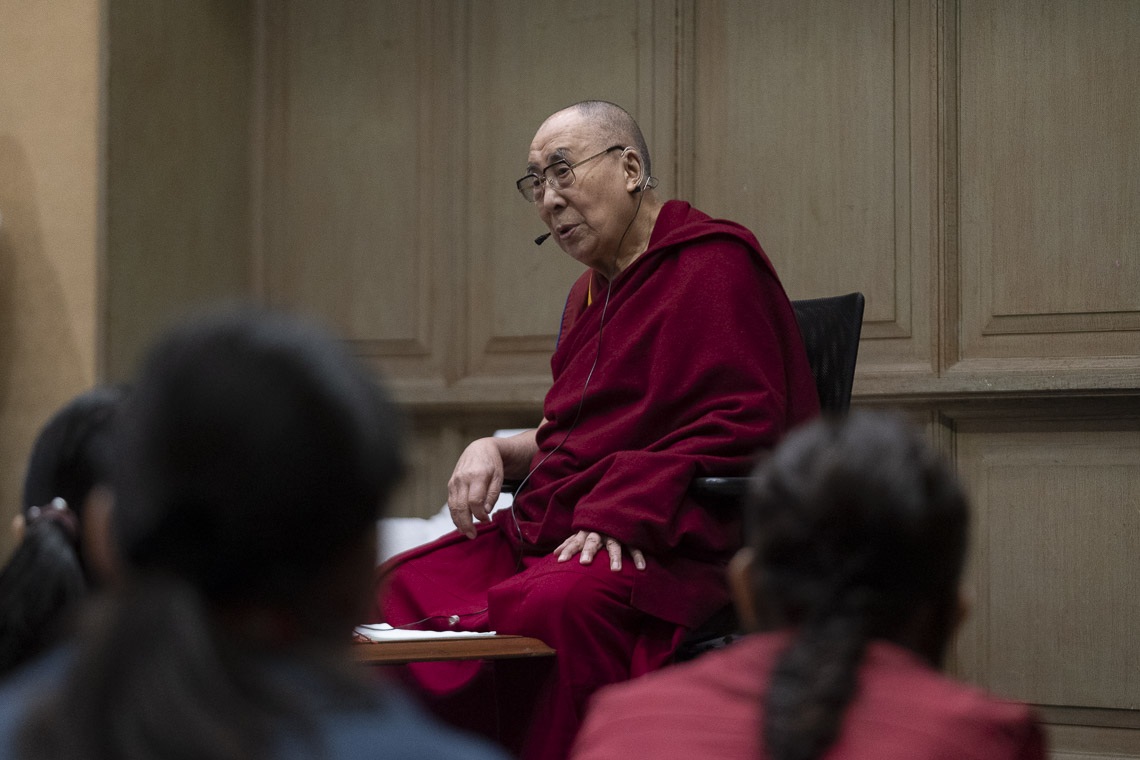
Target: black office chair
[{"x": 830, "y": 328}]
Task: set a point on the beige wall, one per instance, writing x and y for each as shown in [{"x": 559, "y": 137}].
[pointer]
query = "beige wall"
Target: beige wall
[
  {"x": 970, "y": 165},
  {"x": 49, "y": 195},
  {"x": 178, "y": 174},
  {"x": 114, "y": 226}
]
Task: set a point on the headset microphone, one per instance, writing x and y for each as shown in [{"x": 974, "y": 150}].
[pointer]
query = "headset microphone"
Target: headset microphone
[{"x": 541, "y": 239}]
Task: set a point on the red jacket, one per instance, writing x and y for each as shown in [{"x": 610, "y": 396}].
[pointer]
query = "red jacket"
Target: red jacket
[{"x": 712, "y": 707}]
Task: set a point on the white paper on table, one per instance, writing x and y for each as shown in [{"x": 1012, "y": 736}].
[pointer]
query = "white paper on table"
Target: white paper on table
[{"x": 385, "y": 632}]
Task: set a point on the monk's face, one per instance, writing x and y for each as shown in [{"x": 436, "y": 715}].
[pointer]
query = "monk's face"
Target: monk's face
[{"x": 586, "y": 219}]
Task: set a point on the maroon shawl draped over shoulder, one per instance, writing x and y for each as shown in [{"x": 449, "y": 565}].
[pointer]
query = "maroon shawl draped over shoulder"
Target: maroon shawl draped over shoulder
[{"x": 700, "y": 365}]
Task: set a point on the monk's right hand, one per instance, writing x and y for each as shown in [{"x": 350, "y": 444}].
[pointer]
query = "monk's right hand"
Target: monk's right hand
[{"x": 475, "y": 484}]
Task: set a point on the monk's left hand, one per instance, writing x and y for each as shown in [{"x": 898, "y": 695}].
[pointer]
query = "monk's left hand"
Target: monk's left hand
[{"x": 588, "y": 543}]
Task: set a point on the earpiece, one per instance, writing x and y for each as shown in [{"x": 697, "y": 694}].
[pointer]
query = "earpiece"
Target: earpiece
[{"x": 645, "y": 184}]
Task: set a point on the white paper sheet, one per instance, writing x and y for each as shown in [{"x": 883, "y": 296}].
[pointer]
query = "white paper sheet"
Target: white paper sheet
[{"x": 385, "y": 632}]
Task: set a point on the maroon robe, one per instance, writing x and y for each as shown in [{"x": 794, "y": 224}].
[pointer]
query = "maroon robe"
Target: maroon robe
[
  {"x": 713, "y": 706},
  {"x": 700, "y": 366}
]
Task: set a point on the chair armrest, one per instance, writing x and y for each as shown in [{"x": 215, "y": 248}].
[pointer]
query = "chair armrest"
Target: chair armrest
[{"x": 734, "y": 488}]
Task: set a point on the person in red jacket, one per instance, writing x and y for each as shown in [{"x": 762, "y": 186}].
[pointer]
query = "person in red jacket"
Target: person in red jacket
[
  {"x": 678, "y": 357},
  {"x": 856, "y": 535}
]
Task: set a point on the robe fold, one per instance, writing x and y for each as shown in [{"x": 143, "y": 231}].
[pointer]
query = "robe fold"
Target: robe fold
[
  {"x": 688, "y": 364},
  {"x": 698, "y": 366}
]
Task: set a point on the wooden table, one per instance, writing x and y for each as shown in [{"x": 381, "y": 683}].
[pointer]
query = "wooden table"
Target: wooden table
[{"x": 474, "y": 648}]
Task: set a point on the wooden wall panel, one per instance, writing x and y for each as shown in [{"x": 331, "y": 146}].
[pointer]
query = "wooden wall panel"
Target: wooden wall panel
[
  {"x": 359, "y": 164},
  {"x": 1053, "y": 566},
  {"x": 815, "y": 127},
  {"x": 387, "y": 191},
  {"x": 176, "y": 199},
  {"x": 343, "y": 170},
  {"x": 1048, "y": 154},
  {"x": 1096, "y": 742}
]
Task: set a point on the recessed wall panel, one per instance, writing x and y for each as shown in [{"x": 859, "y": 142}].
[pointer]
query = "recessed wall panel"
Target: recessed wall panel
[
  {"x": 1054, "y": 561},
  {"x": 349, "y": 108},
  {"x": 1048, "y": 158},
  {"x": 814, "y": 127}
]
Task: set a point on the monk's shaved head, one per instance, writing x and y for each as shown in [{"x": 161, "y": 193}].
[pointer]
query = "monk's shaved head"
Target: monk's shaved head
[{"x": 615, "y": 125}]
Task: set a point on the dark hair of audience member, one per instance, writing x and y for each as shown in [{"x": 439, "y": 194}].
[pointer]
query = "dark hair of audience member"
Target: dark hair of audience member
[
  {"x": 256, "y": 456},
  {"x": 47, "y": 572},
  {"x": 859, "y": 531}
]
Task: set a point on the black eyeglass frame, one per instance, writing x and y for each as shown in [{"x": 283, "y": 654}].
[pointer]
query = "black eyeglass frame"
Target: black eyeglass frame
[{"x": 531, "y": 192}]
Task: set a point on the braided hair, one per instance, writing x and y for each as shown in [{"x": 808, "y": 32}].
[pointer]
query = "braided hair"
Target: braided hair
[{"x": 859, "y": 530}]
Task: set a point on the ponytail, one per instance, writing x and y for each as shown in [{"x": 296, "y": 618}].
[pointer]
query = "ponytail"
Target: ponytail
[
  {"x": 813, "y": 682},
  {"x": 41, "y": 582},
  {"x": 858, "y": 527}
]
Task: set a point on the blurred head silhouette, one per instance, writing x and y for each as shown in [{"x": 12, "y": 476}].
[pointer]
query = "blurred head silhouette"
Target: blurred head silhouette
[
  {"x": 254, "y": 452},
  {"x": 254, "y": 457},
  {"x": 856, "y": 530}
]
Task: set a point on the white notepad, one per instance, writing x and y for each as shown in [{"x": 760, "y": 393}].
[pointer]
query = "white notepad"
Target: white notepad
[{"x": 385, "y": 632}]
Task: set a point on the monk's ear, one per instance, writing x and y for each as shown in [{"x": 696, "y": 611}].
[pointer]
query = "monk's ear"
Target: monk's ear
[
  {"x": 634, "y": 170},
  {"x": 740, "y": 586},
  {"x": 98, "y": 544}
]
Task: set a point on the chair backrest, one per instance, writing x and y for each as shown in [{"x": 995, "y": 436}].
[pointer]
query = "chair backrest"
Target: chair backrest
[{"x": 830, "y": 328}]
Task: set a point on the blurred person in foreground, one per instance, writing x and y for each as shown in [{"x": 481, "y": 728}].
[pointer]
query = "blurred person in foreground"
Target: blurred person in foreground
[
  {"x": 254, "y": 456},
  {"x": 855, "y": 540},
  {"x": 49, "y": 571}
]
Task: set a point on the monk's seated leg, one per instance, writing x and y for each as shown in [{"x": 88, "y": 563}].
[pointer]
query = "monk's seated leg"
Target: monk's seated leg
[
  {"x": 533, "y": 706},
  {"x": 584, "y": 613},
  {"x": 442, "y": 585}
]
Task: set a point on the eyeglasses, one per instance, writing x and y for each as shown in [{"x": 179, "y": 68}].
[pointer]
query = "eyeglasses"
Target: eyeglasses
[{"x": 559, "y": 174}]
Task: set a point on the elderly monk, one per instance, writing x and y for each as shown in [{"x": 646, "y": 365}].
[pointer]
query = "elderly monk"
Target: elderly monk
[{"x": 678, "y": 357}]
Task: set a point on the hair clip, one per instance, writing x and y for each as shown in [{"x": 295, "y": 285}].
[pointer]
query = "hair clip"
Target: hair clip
[{"x": 55, "y": 511}]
